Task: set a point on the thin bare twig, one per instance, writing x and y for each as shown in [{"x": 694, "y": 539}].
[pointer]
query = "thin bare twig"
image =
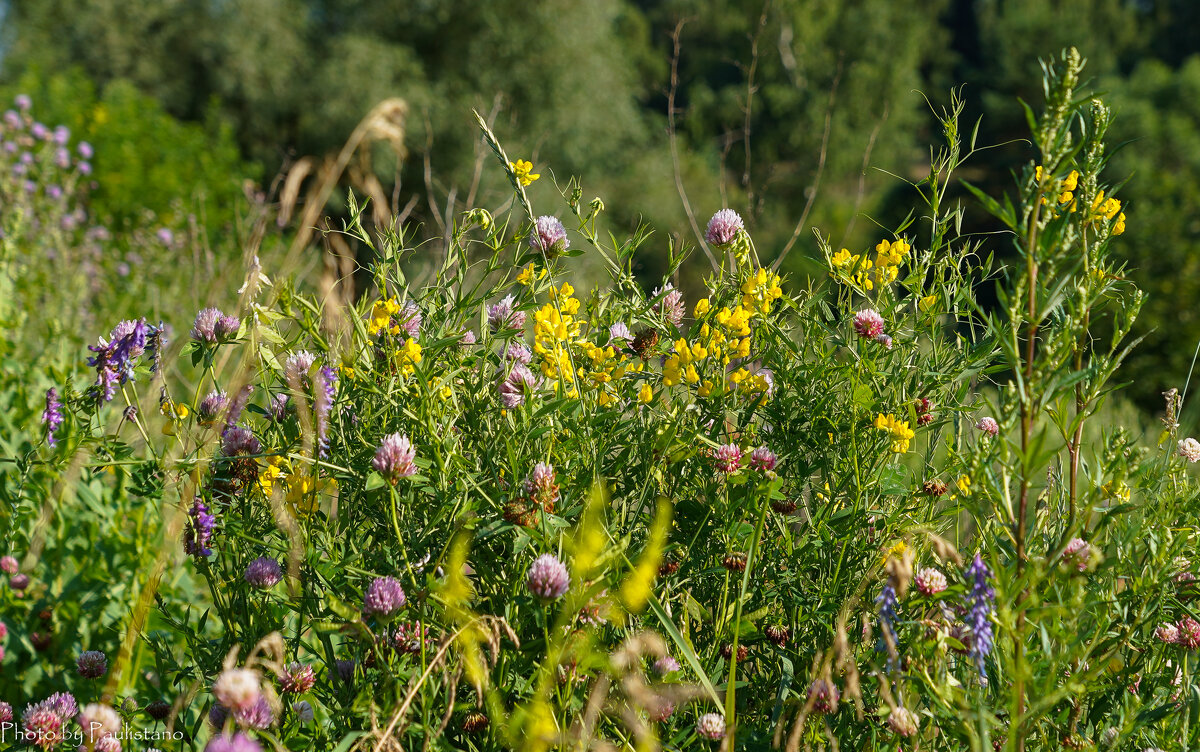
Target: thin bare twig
[
  {"x": 672, "y": 138},
  {"x": 862, "y": 177},
  {"x": 816, "y": 186}
]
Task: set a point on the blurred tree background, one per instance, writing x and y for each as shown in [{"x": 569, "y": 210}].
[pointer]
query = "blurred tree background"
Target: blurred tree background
[{"x": 797, "y": 113}]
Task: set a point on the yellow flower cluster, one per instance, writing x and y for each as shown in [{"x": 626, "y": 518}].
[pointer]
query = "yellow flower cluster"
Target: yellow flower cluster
[
  {"x": 300, "y": 489},
  {"x": 524, "y": 171},
  {"x": 866, "y": 274},
  {"x": 555, "y": 330},
  {"x": 1068, "y": 186},
  {"x": 529, "y": 274},
  {"x": 408, "y": 356},
  {"x": 381, "y": 317},
  {"x": 760, "y": 290},
  {"x": 1108, "y": 209},
  {"x": 899, "y": 431}
]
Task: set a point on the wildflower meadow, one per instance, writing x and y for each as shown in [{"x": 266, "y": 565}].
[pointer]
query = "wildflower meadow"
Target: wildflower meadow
[{"x": 506, "y": 495}]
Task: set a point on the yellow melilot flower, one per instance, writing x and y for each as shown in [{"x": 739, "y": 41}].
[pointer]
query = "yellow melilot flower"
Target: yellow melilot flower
[
  {"x": 381, "y": 317},
  {"x": 645, "y": 394},
  {"x": 898, "y": 430},
  {"x": 407, "y": 357},
  {"x": 964, "y": 484},
  {"x": 523, "y": 171},
  {"x": 760, "y": 291}
]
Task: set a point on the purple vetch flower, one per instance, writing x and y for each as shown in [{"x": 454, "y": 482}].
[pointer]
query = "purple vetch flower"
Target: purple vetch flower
[
  {"x": 199, "y": 530},
  {"x": 548, "y": 578},
  {"x": 238, "y": 441},
  {"x": 156, "y": 345},
  {"x": 9, "y": 564},
  {"x": 263, "y": 573},
  {"x": 238, "y": 742},
  {"x": 979, "y": 609},
  {"x": 724, "y": 227},
  {"x": 502, "y": 315},
  {"x": 115, "y": 359},
  {"x": 384, "y": 597},
  {"x": 517, "y": 351},
  {"x": 517, "y": 386},
  {"x": 211, "y": 406},
  {"x": 52, "y": 417},
  {"x": 548, "y": 236},
  {"x": 671, "y": 306},
  {"x": 763, "y": 459},
  {"x": 395, "y": 458},
  {"x": 889, "y": 640},
  {"x": 91, "y": 664},
  {"x": 326, "y": 391}
]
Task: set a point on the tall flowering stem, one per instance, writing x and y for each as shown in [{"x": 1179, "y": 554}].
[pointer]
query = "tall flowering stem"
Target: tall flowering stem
[{"x": 980, "y": 602}]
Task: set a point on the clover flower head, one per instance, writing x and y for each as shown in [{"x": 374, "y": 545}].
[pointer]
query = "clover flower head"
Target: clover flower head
[
  {"x": 259, "y": 715},
  {"x": 540, "y": 487},
  {"x": 227, "y": 327},
  {"x": 711, "y": 726},
  {"x": 518, "y": 352},
  {"x": 666, "y": 665},
  {"x": 823, "y": 695},
  {"x": 930, "y": 582},
  {"x": 211, "y": 406},
  {"x": 723, "y": 228},
  {"x": 1168, "y": 633},
  {"x": 902, "y": 721},
  {"x": 297, "y": 678},
  {"x": 384, "y": 597},
  {"x": 8, "y": 564},
  {"x": 6, "y": 712},
  {"x": 1077, "y": 554},
  {"x": 99, "y": 721},
  {"x": 670, "y": 306},
  {"x": 238, "y": 688},
  {"x": 91, "y": 664},
  {"x": 548, "y": 578},
  {"x": 297, "y": 366},
  {"x": 263, "y": 573},
  {"x": 988, "y": 425},
  {"x": 1189, "y": 449},
  {"x": 237, "y": 742},
  {"x": 763, "y": 459},
  {"x": 1189, "y": 633},
  {"x": 204, "y": 328},
  {"x": 239, "y": 441},
  {"x": 548, "y": 236},
  {"x": 868, "y": 323},
  {"x": 395, "y": 458},
  {"x": 503, "y": 315},
  {"x": 517, "y": 385},
  {"x": 303, "y": 710},
  {"x": 728, "y": 458},
  {"x": 619, "y": 333}
]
